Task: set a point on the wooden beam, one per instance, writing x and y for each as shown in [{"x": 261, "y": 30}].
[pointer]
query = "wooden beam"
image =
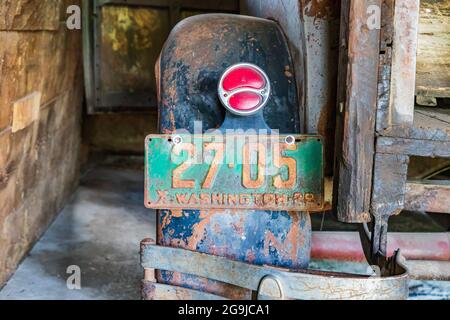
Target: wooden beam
[
  {"x": 413, "y": 147},
  {"x": 404, "y": 47},
  {"x": 355, "y": 120},
  {"x": 385, "y": 62},
  {"x": 388, "y": 192},
  {"x": 429, "y": 196}
]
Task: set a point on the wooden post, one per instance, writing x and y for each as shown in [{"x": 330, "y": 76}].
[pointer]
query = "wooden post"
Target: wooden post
[
  {"x": 357, "y": 102},
  {"x": 403, "y": 76}
]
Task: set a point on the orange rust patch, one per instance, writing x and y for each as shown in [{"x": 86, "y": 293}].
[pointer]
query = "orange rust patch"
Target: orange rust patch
[
  {"x": 198, "y": 231},
  {"x": 172, "y": 119},
  {"x": 250, "y": 256},
  {"x": 291, "y": 244}
]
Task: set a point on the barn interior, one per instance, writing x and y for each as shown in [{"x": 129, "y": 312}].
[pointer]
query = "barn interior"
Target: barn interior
[{"x": 78, "y": 98}]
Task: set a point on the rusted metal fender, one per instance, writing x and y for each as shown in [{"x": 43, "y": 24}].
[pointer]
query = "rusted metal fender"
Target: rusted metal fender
[
  {"x": 196, "y": 53},
  {"x": 159, "y": 291},
  {"x": 293, "y": 284},
  {"x": 200, "y": 48}
]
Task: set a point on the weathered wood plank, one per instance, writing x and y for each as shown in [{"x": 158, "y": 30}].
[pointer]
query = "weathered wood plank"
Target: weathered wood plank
[
  {"x": 29, "y": 15},
  {"x": 432, "y": 124},
  {"x": 355, "y": 121},
  {"x": 39, "y": 164},
  {"x": 433, "y": 54},
  {"x": 388, "y": 195},
  {"x": 425, "y": 134},
  {"x": 390, "y": 172},
  {"x": 433, "y": 118},
  {"x": 37, "y": 173},
  {"x": 384, "y": 69},
  {"x": 321, "y": 23},
  {"x": 403, "y": 74},
  {"x": 429, "y": 196},
  {"x": 7, "y": 168},
  {"x": 413, "y": 147},
  {"x": 36, "y": 61},
  {"x": 25, "y": 111}
]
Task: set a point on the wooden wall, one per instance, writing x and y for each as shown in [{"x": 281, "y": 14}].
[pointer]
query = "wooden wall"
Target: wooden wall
[
  {"x": 118, "y": 133},
  {"x": 41, "y": 92},
  {"x": 433, "y": 51}
]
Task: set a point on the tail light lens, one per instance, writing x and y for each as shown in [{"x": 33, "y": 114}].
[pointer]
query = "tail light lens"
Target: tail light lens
[{"x": 244, "y": 89}]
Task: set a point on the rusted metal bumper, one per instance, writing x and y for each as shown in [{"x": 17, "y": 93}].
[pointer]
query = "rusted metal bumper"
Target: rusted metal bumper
[{"x": 269, "y": 282}]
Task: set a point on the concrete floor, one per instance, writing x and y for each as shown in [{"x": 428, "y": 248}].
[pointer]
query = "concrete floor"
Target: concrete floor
[{"x": 100, "y": 229}]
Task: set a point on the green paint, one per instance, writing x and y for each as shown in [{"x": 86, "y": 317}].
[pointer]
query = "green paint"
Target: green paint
[{"x": 160, "y": 164}]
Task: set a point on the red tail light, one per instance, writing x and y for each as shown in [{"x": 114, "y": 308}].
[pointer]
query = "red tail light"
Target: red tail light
[{"x": 244, "y": 89}]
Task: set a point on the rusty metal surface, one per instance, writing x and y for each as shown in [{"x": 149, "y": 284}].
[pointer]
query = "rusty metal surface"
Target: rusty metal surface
[
  {"x": 288, "y": 15},
  {"x": 289, "y": 176},
  {"x": 414, "y": 246},
  {"x": 196, "y": 53},
  {"x": 312, "y": 31},
  {"x": 260, "y": 237},
  {"x": 321, "y": 24},
  {"x": 295, "y": 284},
  {"x": 157, "y": 291}
]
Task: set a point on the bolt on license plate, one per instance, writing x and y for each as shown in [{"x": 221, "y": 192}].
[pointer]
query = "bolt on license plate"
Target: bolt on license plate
[{"x": 267, "y": 172}]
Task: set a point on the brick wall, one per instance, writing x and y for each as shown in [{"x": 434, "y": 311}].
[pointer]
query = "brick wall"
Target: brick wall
[{"x": 41, "y": 92}]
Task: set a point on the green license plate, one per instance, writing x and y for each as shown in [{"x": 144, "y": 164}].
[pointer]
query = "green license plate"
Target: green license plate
[{"x": 267, "y": 172}]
